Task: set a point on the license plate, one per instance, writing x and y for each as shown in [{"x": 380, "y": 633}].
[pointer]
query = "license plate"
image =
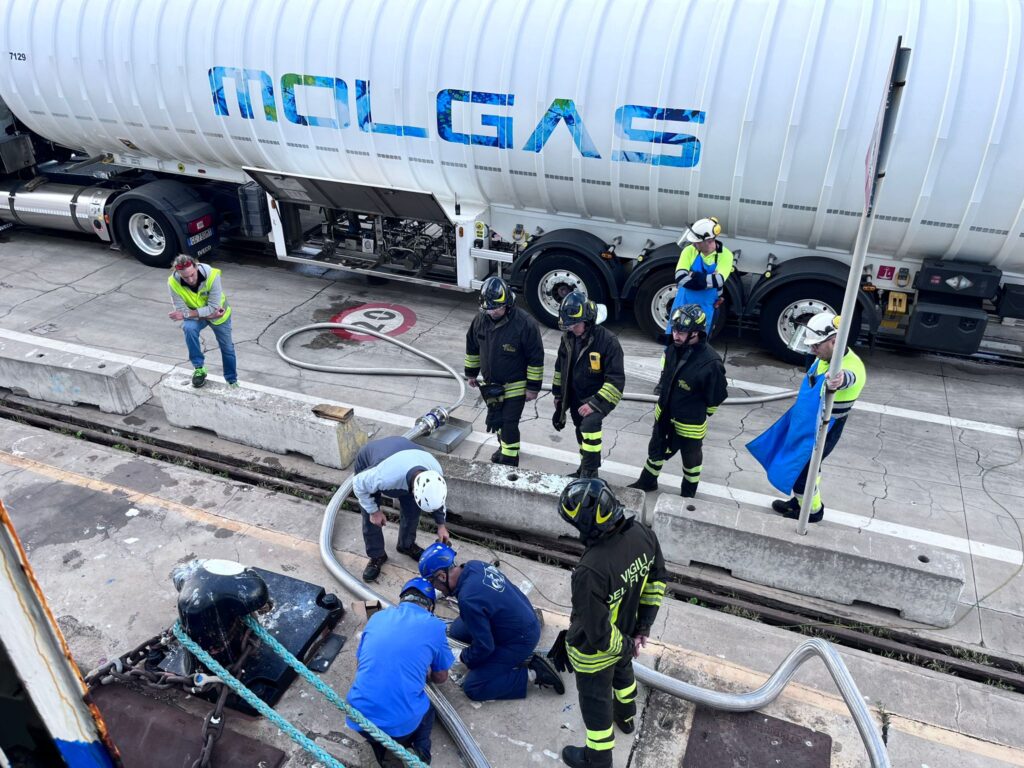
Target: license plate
[{"x": 200, "y": 237}]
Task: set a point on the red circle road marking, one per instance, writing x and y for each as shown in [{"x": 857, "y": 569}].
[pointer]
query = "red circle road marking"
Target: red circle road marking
[{"x": 389, "y": 319}]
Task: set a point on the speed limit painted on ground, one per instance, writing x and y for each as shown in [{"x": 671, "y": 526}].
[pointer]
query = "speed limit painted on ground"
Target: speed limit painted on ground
[{"x": 388, "y": 319}]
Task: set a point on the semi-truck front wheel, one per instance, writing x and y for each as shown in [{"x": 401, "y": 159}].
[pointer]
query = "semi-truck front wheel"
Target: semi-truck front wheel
[
  {"x": 146, "y": 233},
  {"x": 792, "y": 305},
  {"x": 552, "y": 277}
]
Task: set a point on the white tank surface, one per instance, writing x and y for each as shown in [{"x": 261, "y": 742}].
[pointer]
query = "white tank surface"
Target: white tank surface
[{"x": 648, "y": 113}]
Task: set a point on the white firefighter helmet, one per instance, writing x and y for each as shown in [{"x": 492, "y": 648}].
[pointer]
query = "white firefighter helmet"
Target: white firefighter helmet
[
  {"x": 822, "y": 326},
  {"x": 429, "y": 490},
  {"x": 701, "y": 230}
]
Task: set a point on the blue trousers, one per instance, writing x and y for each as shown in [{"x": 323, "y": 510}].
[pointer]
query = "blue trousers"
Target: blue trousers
[
  {"x": 504, "y": 674},
  {"x": 418, "y": 740},
  {"x": 192, "y": 328}
]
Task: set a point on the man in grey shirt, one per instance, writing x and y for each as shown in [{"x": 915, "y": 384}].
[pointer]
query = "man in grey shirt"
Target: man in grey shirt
[{"x": 397, "y": 468}]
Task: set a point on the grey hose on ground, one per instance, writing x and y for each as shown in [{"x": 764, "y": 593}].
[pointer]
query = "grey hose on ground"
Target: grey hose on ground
[
  {"x": 731, "y": 702},
  {"x": 449, "y": 371}
]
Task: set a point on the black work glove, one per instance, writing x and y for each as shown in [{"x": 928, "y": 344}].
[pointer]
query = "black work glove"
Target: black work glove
[
  {"x": 697, "y": 281},
  {"x": 493, "y": 422},
  {"x": 559, "y": 654},
  {"x": 558, "y": 417}
]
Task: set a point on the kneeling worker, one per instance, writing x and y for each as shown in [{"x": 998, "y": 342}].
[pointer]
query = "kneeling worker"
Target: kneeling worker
[
  {"x": 692, "y": 387},
  {"x": 498, "y": 623},
  {"x": 617, "y": 588},
  {"x": 397, "y": 468},
  {"x": 400, "y": 650}
]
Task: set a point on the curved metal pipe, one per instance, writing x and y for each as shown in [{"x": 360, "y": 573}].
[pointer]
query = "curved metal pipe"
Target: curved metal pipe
[
  {"x": 448, "y": 370},
  {"x": 773, "y": 686}
]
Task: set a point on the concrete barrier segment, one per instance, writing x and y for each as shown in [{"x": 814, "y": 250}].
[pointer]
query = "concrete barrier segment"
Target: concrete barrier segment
[
  {"x": 70, "y": 379},
  {"x": 261, "y": 420},
  {"x": 834, "y": 563},
  {"x": 514, "y": 498}
]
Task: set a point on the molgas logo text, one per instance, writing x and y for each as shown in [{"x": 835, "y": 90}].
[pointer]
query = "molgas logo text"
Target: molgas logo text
[{"x": 633, "y": 122}]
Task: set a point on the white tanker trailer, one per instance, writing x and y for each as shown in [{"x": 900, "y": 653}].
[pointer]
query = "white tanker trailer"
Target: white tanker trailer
[{"x": 561, "y": 143}]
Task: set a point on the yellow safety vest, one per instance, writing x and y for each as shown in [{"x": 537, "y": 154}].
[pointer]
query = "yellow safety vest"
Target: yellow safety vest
[{"x": 198, "y": 299}]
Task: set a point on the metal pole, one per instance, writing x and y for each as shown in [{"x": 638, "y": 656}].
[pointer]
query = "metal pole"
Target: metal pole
[{"x": 878, "y": 156}]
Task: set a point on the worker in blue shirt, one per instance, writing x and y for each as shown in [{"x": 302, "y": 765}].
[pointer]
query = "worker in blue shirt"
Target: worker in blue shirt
[
  {"x": 401, "y": 648},
  {"x": 498, "y": 624},
  {"x": 398, "y": 468}
]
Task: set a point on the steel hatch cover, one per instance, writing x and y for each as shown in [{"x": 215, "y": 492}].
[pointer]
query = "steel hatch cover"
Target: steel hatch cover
[
  {"x": 150, "y": 733},
  {"x": 752, "y": 740}
]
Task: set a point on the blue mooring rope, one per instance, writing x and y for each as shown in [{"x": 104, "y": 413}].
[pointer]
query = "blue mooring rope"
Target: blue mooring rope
[{"x": 268, "y": 712}]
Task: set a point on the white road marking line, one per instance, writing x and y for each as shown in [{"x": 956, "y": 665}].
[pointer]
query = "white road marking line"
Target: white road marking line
[{"x": 896, "y": 530}]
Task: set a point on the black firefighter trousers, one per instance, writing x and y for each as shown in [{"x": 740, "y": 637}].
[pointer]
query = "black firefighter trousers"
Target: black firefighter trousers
[{"x": 605, "y": 697}]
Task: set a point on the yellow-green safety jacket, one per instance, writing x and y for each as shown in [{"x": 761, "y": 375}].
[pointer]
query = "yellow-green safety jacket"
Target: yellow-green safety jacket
[{"x": 208, "y": 296}]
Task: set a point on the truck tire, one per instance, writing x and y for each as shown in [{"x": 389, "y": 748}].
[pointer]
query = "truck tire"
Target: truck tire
[
  {"x": 550, "y": 278},
  {"x": 793, "y": 302},
  {"x": 654, "y": 300},
  {"x": 146, "y": 233}
]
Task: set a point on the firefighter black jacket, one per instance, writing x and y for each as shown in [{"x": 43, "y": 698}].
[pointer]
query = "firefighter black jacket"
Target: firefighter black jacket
[
  {"x": 617, "y": 588},
  {"x": 693, "y": 383},
  {"x": 589, "y": 369},
  {"x": 507, "y": 352}
]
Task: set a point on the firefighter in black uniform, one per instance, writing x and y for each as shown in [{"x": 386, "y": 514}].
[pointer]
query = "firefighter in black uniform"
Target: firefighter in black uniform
[
  {"x": 503, "y": 344},
  {"x": 589, "y": 377},
  {"x": 692, "y": 387},
  {"x": 617, "y": 588}
]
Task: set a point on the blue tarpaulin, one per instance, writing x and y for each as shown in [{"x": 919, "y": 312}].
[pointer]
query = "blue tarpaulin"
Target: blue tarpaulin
[{"x": 786, "y": 446}]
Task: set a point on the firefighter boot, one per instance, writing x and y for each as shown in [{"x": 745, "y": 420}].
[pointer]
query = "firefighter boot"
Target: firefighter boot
[
  {"x": 500, "y": 458},
  {"x": 581, "y": 757},
  {"x": 688, "y": 490},
  {"x": 786, "y": 506},
  {"x": 646, "y": 482},
  {"x": 794, "y": 513}
]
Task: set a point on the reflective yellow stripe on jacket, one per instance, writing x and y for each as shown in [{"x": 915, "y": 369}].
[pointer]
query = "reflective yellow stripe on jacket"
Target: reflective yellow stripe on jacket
[{"x": 198, "y": 299}]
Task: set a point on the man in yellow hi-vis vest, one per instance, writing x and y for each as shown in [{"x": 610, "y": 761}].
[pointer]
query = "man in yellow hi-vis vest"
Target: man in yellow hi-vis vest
[{"x": 199, "y": 300}]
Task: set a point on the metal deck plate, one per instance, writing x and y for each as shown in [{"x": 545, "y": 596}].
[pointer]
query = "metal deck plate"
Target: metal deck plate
[
  {"x": 152, "y": 734},
  {"x": 742, "y": 740},
  {"x": 447, "y": 437}
]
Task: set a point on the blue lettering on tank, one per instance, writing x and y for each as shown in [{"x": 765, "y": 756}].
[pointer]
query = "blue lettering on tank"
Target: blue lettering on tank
[
  {"x": 559, "y": 111},
  {"x": 292, "y": 81},
  {"x": 242, "y": 78},
  {"x": 689, "y": 154},
  {"x": 683, "y": 149},
  {"x": 366, "y": 123},
  {"x": 502, "y": 124}
]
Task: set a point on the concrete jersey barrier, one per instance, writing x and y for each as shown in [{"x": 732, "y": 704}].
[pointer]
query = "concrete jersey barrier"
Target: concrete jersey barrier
[
  {"x": 515, "y": 499},
  {"x": 261, "y": 420},
  {"x": 70, "y": 379},
  {"x": 838, "y": 564}
]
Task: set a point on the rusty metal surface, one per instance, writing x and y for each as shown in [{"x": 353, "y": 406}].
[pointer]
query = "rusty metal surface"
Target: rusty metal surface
[
  {"x": 751, "y": 739},
  {"x": 152, "y": 734}
]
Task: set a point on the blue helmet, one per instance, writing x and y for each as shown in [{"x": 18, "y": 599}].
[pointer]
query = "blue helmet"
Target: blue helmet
[
  {"x": 419, "y": 590},
  {"x": 437, "y": 557}
]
